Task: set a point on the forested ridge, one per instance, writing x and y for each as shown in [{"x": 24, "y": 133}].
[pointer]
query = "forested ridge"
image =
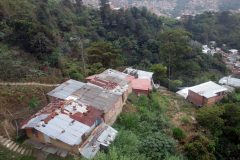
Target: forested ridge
[
  {"x": 35, "y": 46},
  {"x": 35, "y": 42}
]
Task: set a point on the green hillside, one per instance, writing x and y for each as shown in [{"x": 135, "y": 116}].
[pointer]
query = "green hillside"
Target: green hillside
[{"x": 35, "y": 43}]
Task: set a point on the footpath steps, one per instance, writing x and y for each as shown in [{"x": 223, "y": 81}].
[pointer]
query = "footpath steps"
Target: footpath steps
[{"x": 11, "y": 145}]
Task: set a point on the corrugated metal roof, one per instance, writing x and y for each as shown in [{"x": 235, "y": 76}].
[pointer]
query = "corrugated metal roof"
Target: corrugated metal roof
[
  {"x": 66, "y": 89},
  {"x": 33, "y": 122},
  {"x": 55, "y": 127},
  {"x": 72, "y": 117},
  {"x": 98, "y": 97},
  {"x": 208, "y": 89},
  {"x": 114, "y": 76}
]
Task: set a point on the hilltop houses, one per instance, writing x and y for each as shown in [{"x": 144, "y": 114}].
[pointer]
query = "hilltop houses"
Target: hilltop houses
[{"x": 79, "y": 115}]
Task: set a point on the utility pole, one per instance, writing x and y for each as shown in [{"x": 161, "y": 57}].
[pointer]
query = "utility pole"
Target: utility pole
[{"x": 80, "y": 43}]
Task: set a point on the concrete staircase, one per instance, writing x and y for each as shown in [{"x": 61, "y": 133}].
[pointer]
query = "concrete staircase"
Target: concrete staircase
[{"x": 11, "y": 145}]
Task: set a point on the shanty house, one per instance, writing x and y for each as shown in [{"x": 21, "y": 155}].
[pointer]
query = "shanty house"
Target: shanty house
[
  {"x": 141, "y": 86},
  {"x": 206, "y": 93},
  {"x": 64, "y": 124}
]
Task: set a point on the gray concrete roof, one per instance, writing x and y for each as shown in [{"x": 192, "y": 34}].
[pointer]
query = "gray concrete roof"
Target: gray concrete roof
[
  {"x": 97, "y": 97},
  {"x": 208, "y": 89}
]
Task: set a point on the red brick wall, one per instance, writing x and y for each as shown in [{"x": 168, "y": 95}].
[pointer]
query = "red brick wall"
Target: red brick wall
[
  {"x": 201, "y": 101},
  {"x": 114, "y": 111},
  {"x": 136, "y": 91},
  {"x": 195, "y": 98}
]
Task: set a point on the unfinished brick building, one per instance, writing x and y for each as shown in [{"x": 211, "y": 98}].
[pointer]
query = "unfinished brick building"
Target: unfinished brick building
[{"x": 206, "y": 94}]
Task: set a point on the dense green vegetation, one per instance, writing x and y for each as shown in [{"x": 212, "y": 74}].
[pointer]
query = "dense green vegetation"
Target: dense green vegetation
[
  {"x": 35, "y": 43},
  {"x": 221, "y": 27},
  {"x": 223, "y": 122},
  {"x": 145, "y": 133}
]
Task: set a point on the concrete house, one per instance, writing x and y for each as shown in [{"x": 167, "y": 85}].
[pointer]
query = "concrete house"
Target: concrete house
[
  {"x": 64, "y": 124},
  {"x": 206, "y": 93}
]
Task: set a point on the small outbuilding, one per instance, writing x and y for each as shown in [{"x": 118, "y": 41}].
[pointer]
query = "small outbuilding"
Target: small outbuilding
[
  {"x": 206, "y": 93},
  {"x": 141, "y": 86}
]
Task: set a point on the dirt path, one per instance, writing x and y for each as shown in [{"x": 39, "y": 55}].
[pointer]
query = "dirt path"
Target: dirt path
[{"x": 27, "y": 84}]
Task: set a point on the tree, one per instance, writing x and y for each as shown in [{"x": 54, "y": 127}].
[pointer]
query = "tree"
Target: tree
[
  {"x": 160, "y": 73},
  {"x": 174, "y": 84},
  {"x": 41, "y": 45},
  {"x": 210, "y": 117},
  {"x": 175, "y": 46},
  {"x": 104, "y": 9},
  {"x": 104, "y": 53}
]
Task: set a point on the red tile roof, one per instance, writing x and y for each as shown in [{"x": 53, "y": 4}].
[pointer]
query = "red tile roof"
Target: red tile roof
[{"x": 141, "y": 84}]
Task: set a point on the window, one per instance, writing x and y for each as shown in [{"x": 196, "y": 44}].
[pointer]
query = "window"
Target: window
[{"x": 34, "y": 131}]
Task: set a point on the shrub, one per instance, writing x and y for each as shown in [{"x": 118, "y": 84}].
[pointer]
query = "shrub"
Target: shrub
[
  {"x": 130, "y": 121},
  {"x": 143, "y": 100},
  {"x": 158, "y": 145},
  {"x": 33, "y": 103},
  {"x": 237, "y": 89},
  {"x": 185, "y": 120},
  {"x": 178, "y": 133},
  {"x": 200, "y": 148},
  {"x": 132, "y": 98}
]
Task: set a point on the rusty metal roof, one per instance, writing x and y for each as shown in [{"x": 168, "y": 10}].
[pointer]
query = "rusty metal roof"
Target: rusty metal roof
[{"x": 66, "y": 120}]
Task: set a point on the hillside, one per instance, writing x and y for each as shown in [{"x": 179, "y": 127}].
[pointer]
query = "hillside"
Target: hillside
[
  {"x": 35, "y": 43},
  {"x": 35, "y": 46}
]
